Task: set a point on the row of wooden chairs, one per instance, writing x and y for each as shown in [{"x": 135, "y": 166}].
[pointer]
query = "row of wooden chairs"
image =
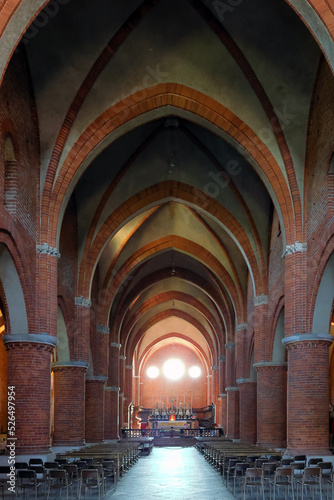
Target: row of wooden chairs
[{"x": 61, "y": 475}]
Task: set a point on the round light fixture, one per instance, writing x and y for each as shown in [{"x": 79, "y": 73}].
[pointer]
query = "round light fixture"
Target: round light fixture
[
  {"x": 152, "y": 372},
  {"x": 173, "y": 369},
  {"x": 194, "y": 372}
]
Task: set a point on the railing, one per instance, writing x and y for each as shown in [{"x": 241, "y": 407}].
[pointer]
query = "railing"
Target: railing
[{"x": 160, "y": 433}]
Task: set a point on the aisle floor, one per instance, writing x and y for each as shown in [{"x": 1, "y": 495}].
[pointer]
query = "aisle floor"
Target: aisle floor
[{"x": 171, "y": 474}]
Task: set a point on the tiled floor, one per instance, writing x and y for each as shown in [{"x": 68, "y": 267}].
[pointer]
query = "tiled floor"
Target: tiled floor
[{"x": 171, "y": 474}]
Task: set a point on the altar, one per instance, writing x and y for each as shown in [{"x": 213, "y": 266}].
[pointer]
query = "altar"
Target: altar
[{"x": 167, "y": 424}]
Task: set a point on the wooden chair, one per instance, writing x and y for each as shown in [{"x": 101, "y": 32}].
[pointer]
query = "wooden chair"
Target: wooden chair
[
  {"x": 41, "y": 474},
  {"x": 268, "y": 469},
  {"x": 90, "y": 479},
  {"x": 26, "y": 480},
  {"x": 110, "y": 470},
  {"x": 311, "y": 480},
  {"x": 58, "y": 481},
  {"x": 4, "y": 475},
  {"x": 73, "y": 476},
  {"x": 35, "y": 461},
  {"x": 253, "y": 479},
  {"x": 99, "y": 468},
  {"x": 283, "y": 478},
  {"x": 239, "y": 473}
]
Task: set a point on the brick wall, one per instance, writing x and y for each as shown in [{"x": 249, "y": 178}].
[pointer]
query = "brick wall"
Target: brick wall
[
  {"x": 18, "y": 119},
  {"x": 154, "y": 390},
  {"x": 319, "y": 182}
]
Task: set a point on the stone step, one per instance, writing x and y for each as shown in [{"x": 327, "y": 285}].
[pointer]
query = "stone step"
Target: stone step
[{"x": 174, "y": 441}]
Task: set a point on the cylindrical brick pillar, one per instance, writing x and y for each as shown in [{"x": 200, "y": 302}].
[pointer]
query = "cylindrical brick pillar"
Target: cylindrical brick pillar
[
  {"x": 69, "y": 403},
  {"x": 308, "y": 393},
  {"x": 271, "y": 404},
  {"x": 29, "y": 378},
  {"x": 122, "y": 359},
  {"x": 94, "y": 409},
  {"x": 215, "y": 385},
  {"x": 248, "y": 410}
]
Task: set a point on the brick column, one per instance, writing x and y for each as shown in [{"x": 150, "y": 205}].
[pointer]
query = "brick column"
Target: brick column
[
  {"x": 308, "y": 393},
  {"x": 232, "y": 393},
  {"x": 94, "y": 409},
  {"x": 112, "y": 389},
  {"x": 248, "y": 410},
  {"x": 233, "y": 412},
  {"x": 122, "y": 359},
  {"x": 82, "y": 321},
  {"x": 223, "y": 402},
  {"x": 69, "y": 403},
  {"x": 127, "y": 392},
  {"x": 260, "y": 327},
  {"x": 222, "y": 393},
  {"x": 215, "y": 384},
  {"x": 271, "y": 404},
  {"x": 29, "y": 373}
]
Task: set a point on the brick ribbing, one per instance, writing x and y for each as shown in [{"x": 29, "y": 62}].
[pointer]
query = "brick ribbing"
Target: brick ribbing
[
  {"x": 136, "y": 335},
  {"x": 94, "y": 411},
  {"x": 124, "y": 305},
  {"x": 248, "y": 412},
  {"x": 171, "y": 241},
  {"x": 69, "y": 405},
  {"x": 172, "y": 334},
  {"x": 182, "y": 98},
  {"x": 271, "y": 406},
  {"x": 29, "y": 371},
  {"x": 307, "y": 416}
]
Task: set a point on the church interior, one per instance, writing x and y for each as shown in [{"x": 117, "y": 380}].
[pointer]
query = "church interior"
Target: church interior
[{"x": 166, "y": 221}]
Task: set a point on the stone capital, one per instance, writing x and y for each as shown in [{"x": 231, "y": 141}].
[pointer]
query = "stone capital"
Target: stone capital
[
  {"x": 112, "y": 388},
  {"x": 232, "y": 389},
  {"x": 214, "y": 367},
  {"x": 13, "y": 341},
  {"x": 230, "y": 345},
  {"x": 102, "y": 329},
  {"x": 294, "y": 248},
  {"x": 45, "y": 249},
  {"x": 245, "y": 381},
  {"x": 69, "y": 365},
  {"x": 260, "y": 300},
  {"x": 96, "y": 378},
  {"x": 116, "y": 345},
  {"x": 242, "y": 327},
  {"x": 307, "y": 340},
  {"x": 129, "y": 367},
  {"x": 122, "y": 357},
  {"x": 81, "y": 301},
  {"x": 222, "y": 359}
]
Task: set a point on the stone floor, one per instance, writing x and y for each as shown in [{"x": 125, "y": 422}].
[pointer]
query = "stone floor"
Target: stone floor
[{"x": 171, "y": 474}]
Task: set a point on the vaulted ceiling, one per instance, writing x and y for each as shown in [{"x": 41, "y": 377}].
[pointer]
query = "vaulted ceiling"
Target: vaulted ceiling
[{"x": 175, "y": 128}]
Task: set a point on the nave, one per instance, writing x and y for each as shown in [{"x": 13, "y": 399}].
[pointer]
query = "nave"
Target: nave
[{"x": 171, "y": 474}]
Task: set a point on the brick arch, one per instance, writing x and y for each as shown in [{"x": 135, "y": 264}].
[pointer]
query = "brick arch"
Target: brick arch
[
  {"x": 168, "y": 297},
  {"x": 8, "y": 9},
  {"x": 171, "y": 335},
  {"x": 135, "y": 337},
  {"x": 11, "y": 238},
  {"x": 182, "y": 245},
  {"x": 179, "y": 97},
  {"x": 152, "y": 196},
  {"x": 220, "y": 305}
]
